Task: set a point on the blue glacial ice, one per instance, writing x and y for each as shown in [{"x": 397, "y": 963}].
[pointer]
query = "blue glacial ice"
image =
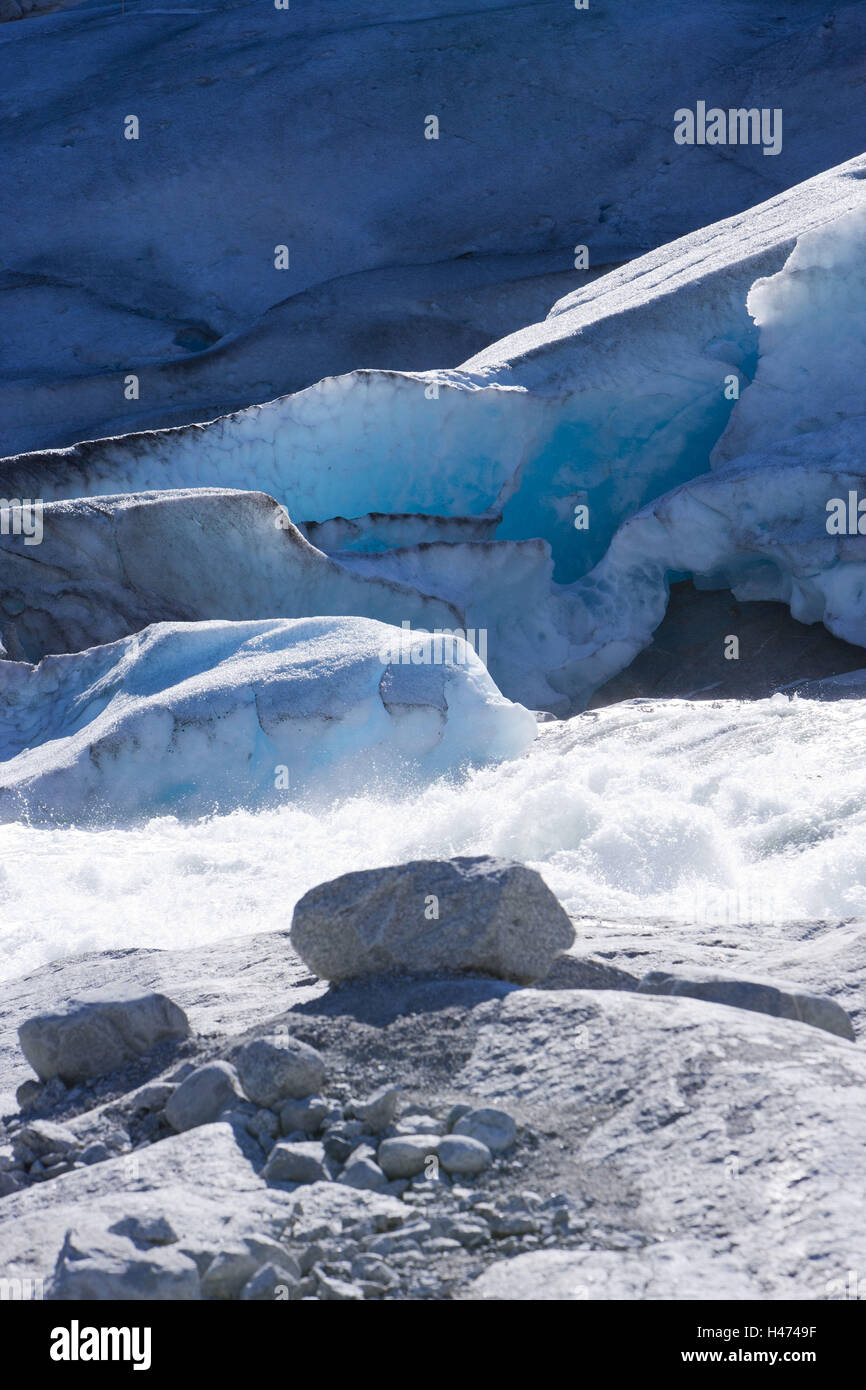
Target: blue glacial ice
[
  {"x": 623, "y": 400},
  {"x": 208, "y": 716}
]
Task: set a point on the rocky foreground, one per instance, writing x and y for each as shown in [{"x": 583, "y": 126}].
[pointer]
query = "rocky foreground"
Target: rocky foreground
[{"x": 648, "y": 1117}]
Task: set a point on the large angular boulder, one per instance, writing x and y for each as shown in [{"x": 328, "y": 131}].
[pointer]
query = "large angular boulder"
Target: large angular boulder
[
  {"x": 98, "y": 1032},
  {"x": 760, "y": 996},
  {"x": 432, "y": 916},
  {"x": 95, "y": 1265}
]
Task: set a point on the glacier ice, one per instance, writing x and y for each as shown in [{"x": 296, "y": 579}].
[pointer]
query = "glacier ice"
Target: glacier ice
[
  {"x": 161, "y": 262},
  {"x": 616, "y": 397},
  {"x": 757, "y": 526},
  {"x": 811, "y": 320},
  {"x": 455, "y": 492},
  {"x": 195, "y": 717},
  {"x": 108, "y": 566}
]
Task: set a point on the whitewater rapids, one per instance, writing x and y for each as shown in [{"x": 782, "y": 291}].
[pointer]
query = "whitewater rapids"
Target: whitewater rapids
[{"x": 744, "y": 813}]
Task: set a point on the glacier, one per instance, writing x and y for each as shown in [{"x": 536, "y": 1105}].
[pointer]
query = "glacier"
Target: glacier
[
  {"x": 617, "y": 396},
  {"x": 658, "y": 399},
  {"x": 207, "y": 716},
  {"x": 428, "y": 455},
  {"x": 108, "y": 566},
  {"x": 404, "y": 251}
]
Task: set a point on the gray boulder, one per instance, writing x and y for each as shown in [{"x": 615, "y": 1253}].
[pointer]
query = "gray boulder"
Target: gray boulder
[
  {"x": 458, "y": 1153},
  {"x": 203, "y": 1096},
  {"x": 301, "y": 1162},
  {"x": 494, "y": 1128},
  {"x": 99, "y": 1032},
  {"x": 485, "y": 915},
  {"x": 377, "y": 1111},
  {"x": 778, "y": 1000},
  {"x": 406, "y": 1156},
  {"x": 101, "y": 1266},
  {"x": 233, "y": 1268},
  {"x": 272, "y": 1072}
]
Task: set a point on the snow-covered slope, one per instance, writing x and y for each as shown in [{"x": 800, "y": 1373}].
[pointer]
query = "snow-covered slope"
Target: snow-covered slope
[
  {"x": 305, "y": 127},
  {"x": 193, "y": 717}
]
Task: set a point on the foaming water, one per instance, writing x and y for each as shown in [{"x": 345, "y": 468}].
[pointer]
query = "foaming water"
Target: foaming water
[{"x": 736, "y": 812}]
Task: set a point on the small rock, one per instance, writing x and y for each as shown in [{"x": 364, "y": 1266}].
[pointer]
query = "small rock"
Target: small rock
[
  {"x": 307, "y": 1115},
  {"x": 152, "y": 1097},
  {"x": 41, "y": 1138},
  {"x": 778, "y": 1000},
  {"x": 232, "y": 1268},
  {"x": 419, "y": 1124},
  {"x": 270, "y": 1073},
  {"x": 406, "y": 1156},
  {"x": 95, "y": 1153},
  {"x": 495, "y": 1128},
  {"x": 456, "y": 1113},
  {"x": 342, "y": 1139},
  {"x": 145, "y": 1230},
  {"x": 28, "y": 1094},
  {"x": 369, "y": 1269},
  {"x": 458, "y": 1153},
  {"x": 468, "y": 1233},
  {"x": 337, "y": 1290},
  {"x": 97, "y": 1033},
  {"x": 377, "y": 1111},
  {"x": 364, "y": 1173},
  {"x": 203, "y": 1096},
  {"x": 296, "y": 1163},
  {"x": 270, "y": 1284},
  {"x": 264, "y": 1126}
]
